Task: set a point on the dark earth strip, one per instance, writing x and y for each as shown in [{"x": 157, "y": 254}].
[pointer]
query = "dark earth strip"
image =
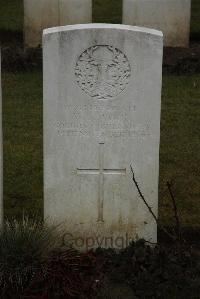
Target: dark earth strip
[{"x": 175, "y": 61}]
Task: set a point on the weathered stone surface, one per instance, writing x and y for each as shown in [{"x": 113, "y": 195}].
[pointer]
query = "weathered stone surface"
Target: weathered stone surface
[
  {"x": 75, "y": 12},
  {"x": 38, "y": 15},
  {"x": 102, "y": 96},
  {"x": 42, "y": 14},
  {"x": 172, "y": 17},
  {"x": 1, "y": 153}
]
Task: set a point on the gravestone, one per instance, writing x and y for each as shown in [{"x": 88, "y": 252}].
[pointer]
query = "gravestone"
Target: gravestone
[
  {"x": 172, "y": 17},
  {"x": 41, "y": 14},
  {"x": 102, "y": 98},
  {"x": 1, "y": 153},
  {"x": 75, "y": 11}
]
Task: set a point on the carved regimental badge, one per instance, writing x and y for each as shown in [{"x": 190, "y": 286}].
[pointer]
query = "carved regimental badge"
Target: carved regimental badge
[{"x": 103, "y": 72}]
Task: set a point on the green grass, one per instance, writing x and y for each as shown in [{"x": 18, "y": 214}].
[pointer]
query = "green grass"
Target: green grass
[
  {"x": 179, "y": 154},
  {"x": 24, "y": 246},
  {"x": 180, "y": 147},
  {"x": 107, "y": 11},
  {"x": 22, "y": 124},
  {"x": 195, "y": 18},
  {"x": 11, "y": 14}
]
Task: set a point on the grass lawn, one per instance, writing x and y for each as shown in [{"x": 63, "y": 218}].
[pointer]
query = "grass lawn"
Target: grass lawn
[
  {"x": 179, "y": 155},
  {"x": 195, "y": 18},
  {"x": 11, "y": 14},
  {"x": 180, "y": 147},
  {"x": 22, "y": 124},
  {"x": 107, "y": 11}
]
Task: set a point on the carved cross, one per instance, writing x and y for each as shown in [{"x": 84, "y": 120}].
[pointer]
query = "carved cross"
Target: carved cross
[{"x": 101, "y": 172}]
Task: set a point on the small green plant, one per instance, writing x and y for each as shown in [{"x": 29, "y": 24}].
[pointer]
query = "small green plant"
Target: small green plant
[{"x": 23, "y": 247}]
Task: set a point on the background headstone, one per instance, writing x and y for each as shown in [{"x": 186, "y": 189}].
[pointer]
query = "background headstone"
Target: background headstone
[
  {"x": 102, "y": 98},
  {"x": 75, "y": 12},
  {"x": 41, "y": 14},
  {"x": 172, "y": 17},
  {"x": 1, "y": 153}
]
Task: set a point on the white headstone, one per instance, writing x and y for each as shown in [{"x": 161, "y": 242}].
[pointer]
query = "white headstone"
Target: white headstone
[
  {"x": 102, "y": 98},
  {"x": 172, "y": 17},
  {"x": 75, "y": 12},
  {"x": 1, "y": 153},
  {"x": 41, "y": 14}
]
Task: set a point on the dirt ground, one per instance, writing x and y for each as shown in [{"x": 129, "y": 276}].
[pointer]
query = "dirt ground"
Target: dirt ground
[{"x": 182, "y": 60}]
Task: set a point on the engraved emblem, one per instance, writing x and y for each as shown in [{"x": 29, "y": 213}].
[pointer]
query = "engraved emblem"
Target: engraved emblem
[{"x": 103, "y": 72}]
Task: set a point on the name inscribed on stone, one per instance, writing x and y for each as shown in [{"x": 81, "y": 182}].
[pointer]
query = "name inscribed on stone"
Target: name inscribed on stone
[{"x": 103, "y": 121}]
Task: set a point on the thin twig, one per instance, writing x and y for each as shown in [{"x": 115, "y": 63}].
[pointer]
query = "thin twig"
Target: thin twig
[
  {"x": 151, "y": 243},
  {"x": 176, "y": 216},
  {"x": 149, "y": 208}
]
